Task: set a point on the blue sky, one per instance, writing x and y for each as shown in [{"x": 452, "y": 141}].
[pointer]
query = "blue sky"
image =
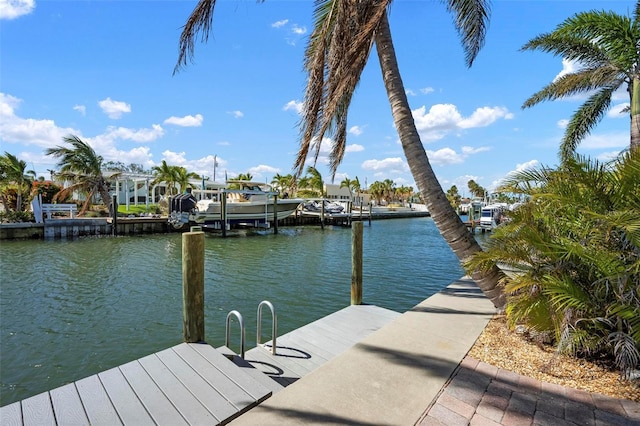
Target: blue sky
[{"x": 102, "y": 70}]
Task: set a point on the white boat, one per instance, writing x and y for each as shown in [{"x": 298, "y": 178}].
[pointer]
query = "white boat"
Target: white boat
[
  {"x": 491, "y": 216},
  {"x": 330, "y": 209},
  {"x": 253, "y": 205}
]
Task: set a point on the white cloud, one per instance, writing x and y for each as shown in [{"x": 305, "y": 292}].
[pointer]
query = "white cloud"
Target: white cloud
[
  {"x": 294, "y": 105},
  {"x": 175, "y": 158},
  {"x": 203, "y": 166},
  {"x": 28, "y": 131},
  {"x": 260, "y": 171},
  {"x": 529, "y": 165},
  {"x": 563, "y": 123},
  {"x": 354, "y": 147},
  {"x": 138, "y": 155},
  {"x": 298, "y": 30},
  {"x": 410, "y": 92},
  {"x": 186, "y": 121},
  {"x": 427, "y": 90},
  {"x": 356, "y": 130},
  {"x": 445, "y": 118},
  {"x": 8, "y": 104},
  {"x": 136, "y": 135},
  {"x": 114, "y": 109},
  {"x": 568, "y": 67},
  {"x": 621, "y": 94},
  {"x": 279, "y": 24},
  {"x": 236, "y": 114},
  {"x": 11, "y": 9},
  {"x": 385, "y": 166},
  {"x": 618, "y": 111},
  {"x": 607, "y": 156},
  {"x": 339, "y": 177},
  {"x": 81, "y": 109},
  {"x": 469, "y": 150},
  {"x": 605, "y": 141},
  {"x": 482, "y": 117},
  {"x": 447, "y": 155}
]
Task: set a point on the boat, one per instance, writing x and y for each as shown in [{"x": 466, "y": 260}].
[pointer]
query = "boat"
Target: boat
[
  {"x": 251, "y": 205},
  {"x": 320, "y": 207},
  {"x": 491, "y": 216}
]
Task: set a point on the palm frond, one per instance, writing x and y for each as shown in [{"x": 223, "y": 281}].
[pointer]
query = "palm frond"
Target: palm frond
[
  {"x": 569, "y": 47},
  {"x": 335, "y": 57},
  {"x": 625, "y": 349},
  {"x": 471, "y": 18},
  {"x": 584, "y": 119},
  {"x": 578, "y": 82}
]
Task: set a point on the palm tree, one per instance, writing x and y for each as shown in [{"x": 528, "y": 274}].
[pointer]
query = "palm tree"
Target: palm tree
[
  {"x": 606, "y": 45},
  {"x": 338, "y": 49},
  {"x": 574, "y": 249},
  {"x": 377, "y": 191},
  {"x": 476, "y": 190},
  {"x": 167, "y": 174},
  {"x": 183, "y": 177},
  {"x": 454, "y": 197},
  {"x": 389, "y": 190},
  {"x": 404, "y": 193},
  {"x": 285, "y": 184},
  {"x": 80, "y": 165},
  {"x": 13, "y": 174},
  {"x": 315, "y": 181},
  {"x": 353, "y": 185}
]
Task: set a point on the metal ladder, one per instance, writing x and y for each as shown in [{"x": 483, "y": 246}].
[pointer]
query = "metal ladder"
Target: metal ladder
[{"x": 238, "y": 315}]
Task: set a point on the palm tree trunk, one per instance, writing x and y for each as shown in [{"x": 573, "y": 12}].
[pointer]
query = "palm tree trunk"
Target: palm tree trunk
[
  {"x": 106, "y": 198},
  {"x": 635, "y": 115},
  {"x": 451, "y": 227}
]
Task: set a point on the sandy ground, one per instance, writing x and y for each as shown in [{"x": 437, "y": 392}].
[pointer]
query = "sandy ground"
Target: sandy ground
[{"x": 502, "y": 348}]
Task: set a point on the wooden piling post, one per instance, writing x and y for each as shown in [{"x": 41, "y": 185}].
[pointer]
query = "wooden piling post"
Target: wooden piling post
[
  {"x": 114, "y": 217},
  {"x": 275, "y": 214},
  {"x": 322, "y": 214},
  {"x": 193, "y": 286},
  {"x": 356, "y": 263},
  {"x": 223, "y": 213}
]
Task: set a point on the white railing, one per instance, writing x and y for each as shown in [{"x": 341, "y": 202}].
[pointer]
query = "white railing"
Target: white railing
[{"x": 49, "y": 209}]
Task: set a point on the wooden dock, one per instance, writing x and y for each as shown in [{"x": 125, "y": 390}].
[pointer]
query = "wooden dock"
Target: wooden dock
[
  {"x": 194, "y": 383},
  {"x": 303, "y": 350}
]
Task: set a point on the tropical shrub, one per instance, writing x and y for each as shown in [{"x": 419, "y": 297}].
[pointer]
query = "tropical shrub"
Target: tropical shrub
[
  {"x": 573, "y": 256},
  {"x": 48, "y": 190},
  {"x": 16, "y": 216}
]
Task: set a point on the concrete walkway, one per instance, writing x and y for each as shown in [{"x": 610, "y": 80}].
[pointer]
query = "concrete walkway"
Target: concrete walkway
[
  {"x": 415, "y": 371},
  {"x": 391, "y": 376}
]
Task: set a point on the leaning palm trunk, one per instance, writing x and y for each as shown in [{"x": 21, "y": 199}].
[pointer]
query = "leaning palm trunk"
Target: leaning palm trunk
[
  {"x": 451, "y": 227},
  {"x": 635, "y": 115},
  {"x": 106, "y": 198}
]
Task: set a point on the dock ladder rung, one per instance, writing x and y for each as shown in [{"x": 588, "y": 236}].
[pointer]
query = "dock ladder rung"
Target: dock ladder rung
[
  {"x": 238, "y": 315},
  {"x": 274, "y": 325}
]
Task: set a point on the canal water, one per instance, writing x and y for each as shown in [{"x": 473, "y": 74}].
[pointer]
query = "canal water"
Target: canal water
[{"x": 69, "y": 309}]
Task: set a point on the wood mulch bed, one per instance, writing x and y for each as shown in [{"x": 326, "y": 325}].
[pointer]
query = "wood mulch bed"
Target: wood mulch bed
[{"x": 506, "y": 349}]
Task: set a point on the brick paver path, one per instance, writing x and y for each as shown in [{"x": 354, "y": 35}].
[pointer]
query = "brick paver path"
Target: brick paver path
[{"x": 480, "y": 394}]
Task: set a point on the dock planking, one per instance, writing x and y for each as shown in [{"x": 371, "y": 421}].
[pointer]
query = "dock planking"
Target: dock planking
[
  {"x": 194, "y": 383},
  {"x": 304, "y": 349},
  {"x": 186, "y": 384}
]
